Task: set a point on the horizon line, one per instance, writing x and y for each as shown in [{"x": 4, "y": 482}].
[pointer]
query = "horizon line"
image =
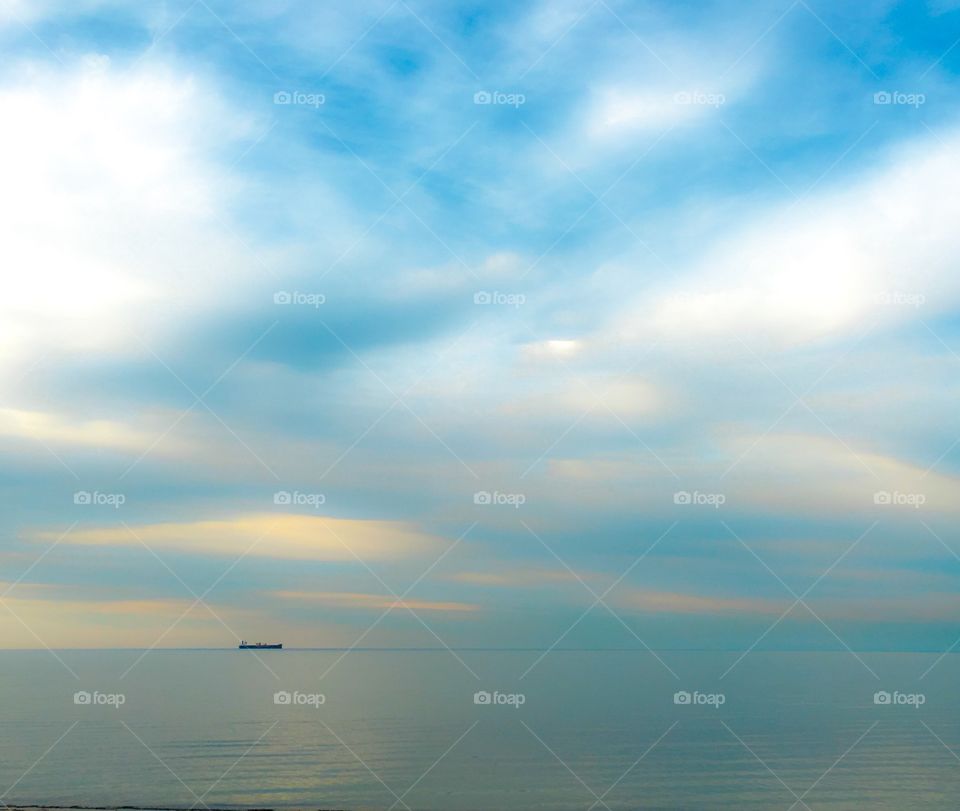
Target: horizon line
[{"x": 389, "y": 649}]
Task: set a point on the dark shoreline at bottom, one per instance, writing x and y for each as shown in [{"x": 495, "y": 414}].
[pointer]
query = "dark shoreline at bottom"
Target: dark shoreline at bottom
[{"x": 23, "y": 807}]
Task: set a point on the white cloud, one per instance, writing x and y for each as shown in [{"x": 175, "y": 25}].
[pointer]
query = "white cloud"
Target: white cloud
[
  {"x": 621, "y": 110},
  {"x": 111, "y": 204},
  {"x": 881, "y": 250},
  {"x": 803, "y": 474}
]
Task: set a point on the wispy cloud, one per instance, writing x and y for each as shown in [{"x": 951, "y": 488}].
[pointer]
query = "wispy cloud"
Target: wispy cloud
[
  {"x": 284, "y": 536},
  {"x": 336, "y": 599}
]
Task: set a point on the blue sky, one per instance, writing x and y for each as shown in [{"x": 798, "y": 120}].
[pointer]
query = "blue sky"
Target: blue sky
[{"x": 596, "y": 260}]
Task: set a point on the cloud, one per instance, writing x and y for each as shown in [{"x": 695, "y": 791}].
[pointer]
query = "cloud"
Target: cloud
[
  {"x": 58, "y": 429},
  {"x": 141, "y": 202},
  {"x": 111, "y": 200},
  {"x": 341, "y": 599},
  {"x": 41, "y": 615},
  {"x": 827, "y": 265},
  {"x": 624, "y": 110},
  {"x": 660, "y": 602},
  {"x": 282, "y": 536},
  {"x": 784, "y": 474},
  {"x": 589, "y": 392}
]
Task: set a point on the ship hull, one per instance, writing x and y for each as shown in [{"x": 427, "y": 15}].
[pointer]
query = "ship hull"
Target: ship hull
[{"x": 278, "y": 646}]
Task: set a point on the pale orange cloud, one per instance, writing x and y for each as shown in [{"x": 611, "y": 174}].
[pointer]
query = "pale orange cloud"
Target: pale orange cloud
[
  {"x": 347, "y": 599},
  {"x": 274, "y": 535},
  {"x": 39, "y": 615},
  {"x": 59, "y": 429},
  {"x": 664, "y": 602}
]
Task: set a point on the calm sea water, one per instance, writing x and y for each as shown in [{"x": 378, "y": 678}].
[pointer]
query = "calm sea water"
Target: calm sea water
[{"x": 402, "y": 729}]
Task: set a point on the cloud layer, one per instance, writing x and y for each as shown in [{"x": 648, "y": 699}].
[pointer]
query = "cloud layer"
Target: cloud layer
[{"x": 505, "y": 305}]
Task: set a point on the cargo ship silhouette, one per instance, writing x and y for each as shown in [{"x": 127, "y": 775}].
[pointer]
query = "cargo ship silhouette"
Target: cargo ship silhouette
[{"x": 244, "y": 645}]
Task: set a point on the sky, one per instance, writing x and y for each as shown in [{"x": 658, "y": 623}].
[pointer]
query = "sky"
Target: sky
[{"x": 564, "y": 324}]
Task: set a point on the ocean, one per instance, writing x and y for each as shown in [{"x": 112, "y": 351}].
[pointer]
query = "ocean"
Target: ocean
[{"x": 481, "y": 730}]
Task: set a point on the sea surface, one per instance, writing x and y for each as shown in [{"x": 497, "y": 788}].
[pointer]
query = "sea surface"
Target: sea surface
[{"x": 413, "y": 729}]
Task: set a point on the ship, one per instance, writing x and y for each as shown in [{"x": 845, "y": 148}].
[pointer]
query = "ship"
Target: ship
[{"x": 244, "y": 645}]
